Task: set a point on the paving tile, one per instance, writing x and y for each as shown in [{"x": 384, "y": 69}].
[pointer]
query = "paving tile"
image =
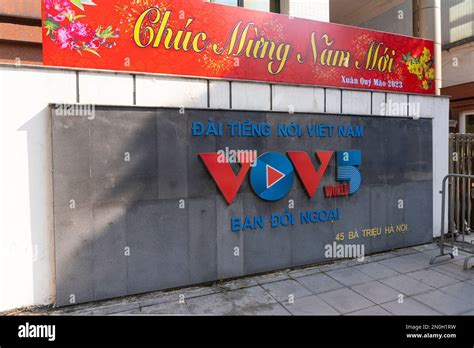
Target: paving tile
[
  {"x": 376, "y": 292},
  {"x": 403, "y": 264},
  {"x": 376, "y": 270},
  {"x": 248, "y": 301},
  {"x": 354, "y": 262},
  {"x": 419, "y": 257},
  {"x": 402, "y": 252},
  {"x": 408, "y": 307},
  {"x": 463, "y": 291},
  {"x": 432, "y": 278},
  {"x": 169, "y": 308},
  {"x": 443, "y": 288},
  {"x": 174, "y": 297},
  {"x": 272, "y": 309},
  {"x": 310, "y": 305},
  {"x": 239, "y": 284},
  {"x": 157, "y": 297},
  {"x": 304, "y": 272},
  {"x": 283, "y": 289},
  {"x": 444, "y": 303},
  {"x": 375, "y": 310},
  {"x": 460, "y": 261},
  {"x": 379, "y": 257},
  {"x": 332, "y": 266},
  {"x": 406, "y": 285},
  {"x": 215, "y": 304},
  {"x": 349, "y": 276},
  {"x": 133, "y": 312},
  {"x": 435, "y": 252},
  {"x": 78, "y": 313},
  {"x": 319, "y": 283},
  {"x": 271, "y": 278},
  {"x": 199, "y": 291},
  {"x": 454, "y": 271},
  {"x": 114, "y": 308},
  {"x": 87, "y": 307},
  {"x": 345, "y": 300},
  {"x": 425, "y": 247},
  {"x": 463, "y": 254}
]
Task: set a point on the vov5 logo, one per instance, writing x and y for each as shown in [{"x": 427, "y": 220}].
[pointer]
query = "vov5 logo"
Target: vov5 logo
[{"x": 272, "y": 176}]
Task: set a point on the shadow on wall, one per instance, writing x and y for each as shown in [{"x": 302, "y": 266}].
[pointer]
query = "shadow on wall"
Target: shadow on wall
[
  {"x": 122, "y": 206},
  {"x": 135, "y": 209}
]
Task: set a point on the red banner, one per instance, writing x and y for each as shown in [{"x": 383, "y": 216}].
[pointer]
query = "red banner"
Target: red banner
[{"x": 195, "y": 38}]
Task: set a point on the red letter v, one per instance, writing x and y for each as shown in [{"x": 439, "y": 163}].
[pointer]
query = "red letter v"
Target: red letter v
[
  {"x": 224, "y": 176},
  {"x": 305, "y": 169}
]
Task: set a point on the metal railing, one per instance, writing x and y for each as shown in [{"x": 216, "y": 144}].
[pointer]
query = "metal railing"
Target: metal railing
[
  {"x": 461, "y": 161},
  {"x": 454, "y": 238}
]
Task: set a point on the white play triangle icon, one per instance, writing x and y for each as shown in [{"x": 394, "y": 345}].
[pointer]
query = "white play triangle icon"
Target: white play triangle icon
[{"x": 273, "y": 176}]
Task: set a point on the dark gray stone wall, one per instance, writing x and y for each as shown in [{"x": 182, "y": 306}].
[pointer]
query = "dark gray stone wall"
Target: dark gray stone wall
[{"x": 105, "y": 206}]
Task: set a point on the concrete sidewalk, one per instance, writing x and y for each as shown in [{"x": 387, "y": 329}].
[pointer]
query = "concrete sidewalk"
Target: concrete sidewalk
[{"x": 399, "y": 282}]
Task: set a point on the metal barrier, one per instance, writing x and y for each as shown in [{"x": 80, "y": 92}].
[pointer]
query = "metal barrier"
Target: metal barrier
[
  {"x": 461, "y": 161},
  {"x": 452, "y": 238}
]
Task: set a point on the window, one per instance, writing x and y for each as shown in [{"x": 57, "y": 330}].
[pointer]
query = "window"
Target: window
[
  {"x": 469, "y": 123},
  {"x": 457, "y": 17},
  {"x": 257, "y": 5},
  {"x": 262, "y": 5},
  {"x": 227, "y": 2}
]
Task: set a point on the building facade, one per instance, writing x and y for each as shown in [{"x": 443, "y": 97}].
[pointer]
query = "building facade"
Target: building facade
[
  {"x": 458, "y": 55},
  {"x": 77, "y": 219}
]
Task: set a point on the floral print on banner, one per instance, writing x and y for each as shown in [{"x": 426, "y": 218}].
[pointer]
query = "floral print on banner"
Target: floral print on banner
[
  {"x": 422, "y": 67},
  {"x": 64, "y": 27}
]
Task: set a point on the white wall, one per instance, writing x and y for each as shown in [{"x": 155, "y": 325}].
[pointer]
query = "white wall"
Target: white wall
[
  {"x": 26, "y": 224},
  {"x": 26, "y": 233}
]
